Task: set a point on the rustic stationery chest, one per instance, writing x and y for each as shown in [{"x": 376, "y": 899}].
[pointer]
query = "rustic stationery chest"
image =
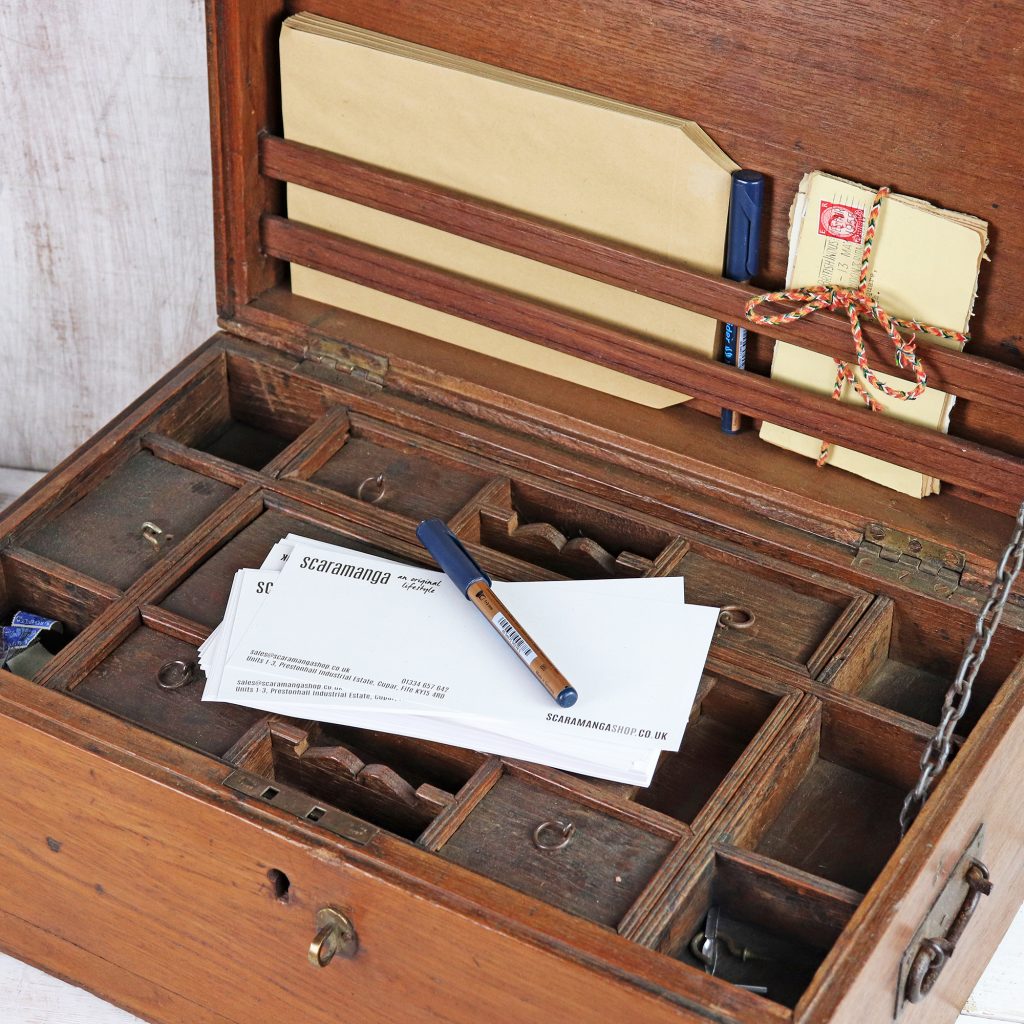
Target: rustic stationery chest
[{"x": 207, "y": 864}]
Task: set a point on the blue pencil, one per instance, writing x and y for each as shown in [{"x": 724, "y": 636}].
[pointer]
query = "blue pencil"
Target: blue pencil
[{"x": 742, "y": 256}]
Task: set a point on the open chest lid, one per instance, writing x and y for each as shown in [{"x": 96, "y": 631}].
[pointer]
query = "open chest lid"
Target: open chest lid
[{"x": 761, "y": 95}]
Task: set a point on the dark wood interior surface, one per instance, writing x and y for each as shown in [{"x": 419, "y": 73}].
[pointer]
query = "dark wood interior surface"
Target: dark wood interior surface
[
  {"x": 786, "y": 753},
  {"x": 599, "y": 872},
  {"x": 104, "y": 535}
]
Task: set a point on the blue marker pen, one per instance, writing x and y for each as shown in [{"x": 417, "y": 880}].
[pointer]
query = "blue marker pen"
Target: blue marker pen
[
  {"x": 461, "y": 568},
  {"x": 742, "y": 252}
]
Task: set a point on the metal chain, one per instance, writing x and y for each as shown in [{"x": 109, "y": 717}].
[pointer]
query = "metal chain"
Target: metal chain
[{"x": 936, "y": 753}]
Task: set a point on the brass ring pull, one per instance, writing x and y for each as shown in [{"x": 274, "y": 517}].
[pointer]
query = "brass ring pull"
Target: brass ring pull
[
  {"x": 732, "y": 616},
  {"x": 173, "y": 675},
  {"x": 155, "y": 535},
  {"x": 336, "y": 937},
  {"x": 553, "y": 835},
  {"x": 933, "y": 954},
  {"x": 377, "y": 482}
]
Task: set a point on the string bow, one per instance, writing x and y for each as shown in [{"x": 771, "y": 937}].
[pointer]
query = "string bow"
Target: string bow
[{"x": 857, "y": 303}]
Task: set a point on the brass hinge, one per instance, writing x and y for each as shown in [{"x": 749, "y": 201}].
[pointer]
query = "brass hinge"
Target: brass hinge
[
  {"x": 347, "y": 359},
  {"x": 919, "y": 564}
]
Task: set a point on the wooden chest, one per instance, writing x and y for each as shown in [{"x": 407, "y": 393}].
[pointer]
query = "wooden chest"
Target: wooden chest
[{"x": 179, "y": 858}]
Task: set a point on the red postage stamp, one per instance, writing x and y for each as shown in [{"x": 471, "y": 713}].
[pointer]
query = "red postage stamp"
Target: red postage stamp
[{"x": 843, "y": 222}]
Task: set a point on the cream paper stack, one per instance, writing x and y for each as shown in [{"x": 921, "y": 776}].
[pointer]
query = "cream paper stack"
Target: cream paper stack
[
  {"x": 630, "y": 175},
  {"x": 924, "y": 266}
]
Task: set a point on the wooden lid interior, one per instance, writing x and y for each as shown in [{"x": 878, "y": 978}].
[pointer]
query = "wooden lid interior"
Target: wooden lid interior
[{"x": 786, "y": 95}]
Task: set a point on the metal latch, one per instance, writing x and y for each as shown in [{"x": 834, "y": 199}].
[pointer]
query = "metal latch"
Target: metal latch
[
  {"x": 347, "y": 359},
  {"x": 294, "y": 801},
  {"x": 919, "y": 564}
]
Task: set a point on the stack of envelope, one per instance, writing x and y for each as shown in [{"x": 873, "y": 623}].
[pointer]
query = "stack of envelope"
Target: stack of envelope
[
  {"x": 633, "y": 176},
  {"x": 924, "y": 266}
]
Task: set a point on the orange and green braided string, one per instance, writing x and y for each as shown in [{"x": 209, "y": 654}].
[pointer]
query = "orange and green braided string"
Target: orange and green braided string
[{"x": 857, "y": 303}]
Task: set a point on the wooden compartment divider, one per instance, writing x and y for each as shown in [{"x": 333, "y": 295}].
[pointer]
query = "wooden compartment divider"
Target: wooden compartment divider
[
  {"x": 308, "y": 452},
  {"x": 831, "y": 804},
  {"x": 226, "y": 471},
  {"x": 171, "y": 624}
]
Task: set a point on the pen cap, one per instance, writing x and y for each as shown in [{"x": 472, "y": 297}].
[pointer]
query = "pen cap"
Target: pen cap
[
  {"x": 743, "y": 243},
  {"x": 448, "y": 552}
]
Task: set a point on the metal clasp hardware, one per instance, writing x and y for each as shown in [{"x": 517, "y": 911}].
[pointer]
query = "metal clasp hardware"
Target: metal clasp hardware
[
  {"x": 932, "y": 954},
  {"x": 733, "y": 616},
  {"x": 153, "y": 534},
  {"x": 173, "y": 675},
  {"x": 553, "y": 835},
  {"x": 943, "y": 926}
]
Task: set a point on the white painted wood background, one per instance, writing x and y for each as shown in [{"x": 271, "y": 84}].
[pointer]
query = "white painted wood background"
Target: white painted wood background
[
  {"x": 106, "y": 238},
  {"x": 107, "y": 256}
]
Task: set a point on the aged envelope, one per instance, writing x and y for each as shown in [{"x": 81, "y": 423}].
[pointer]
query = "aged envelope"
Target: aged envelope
[{"x": 924, "y": 266}]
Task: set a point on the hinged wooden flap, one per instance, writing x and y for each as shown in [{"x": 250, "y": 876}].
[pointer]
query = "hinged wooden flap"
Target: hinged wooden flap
[{"x": 662, "y": 58}]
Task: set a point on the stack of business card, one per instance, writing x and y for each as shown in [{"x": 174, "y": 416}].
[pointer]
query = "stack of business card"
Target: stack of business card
[{"x": 328, "y": 633}]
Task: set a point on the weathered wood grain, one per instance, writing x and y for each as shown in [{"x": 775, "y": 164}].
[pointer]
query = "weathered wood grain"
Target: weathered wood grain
[{"x": 105, "y": 231}]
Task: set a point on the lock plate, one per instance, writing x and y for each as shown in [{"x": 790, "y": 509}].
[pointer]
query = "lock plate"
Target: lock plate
[{"x": 294, "y": 801}]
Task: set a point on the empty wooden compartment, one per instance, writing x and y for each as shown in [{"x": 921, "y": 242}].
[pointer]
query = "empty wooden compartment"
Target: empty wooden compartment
[
  {"x": 904, "y": 656},
  {"x": 727, "y": 717},
  {"x": 829, "y": 802},
  {"x": 233, "y": 412}
]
